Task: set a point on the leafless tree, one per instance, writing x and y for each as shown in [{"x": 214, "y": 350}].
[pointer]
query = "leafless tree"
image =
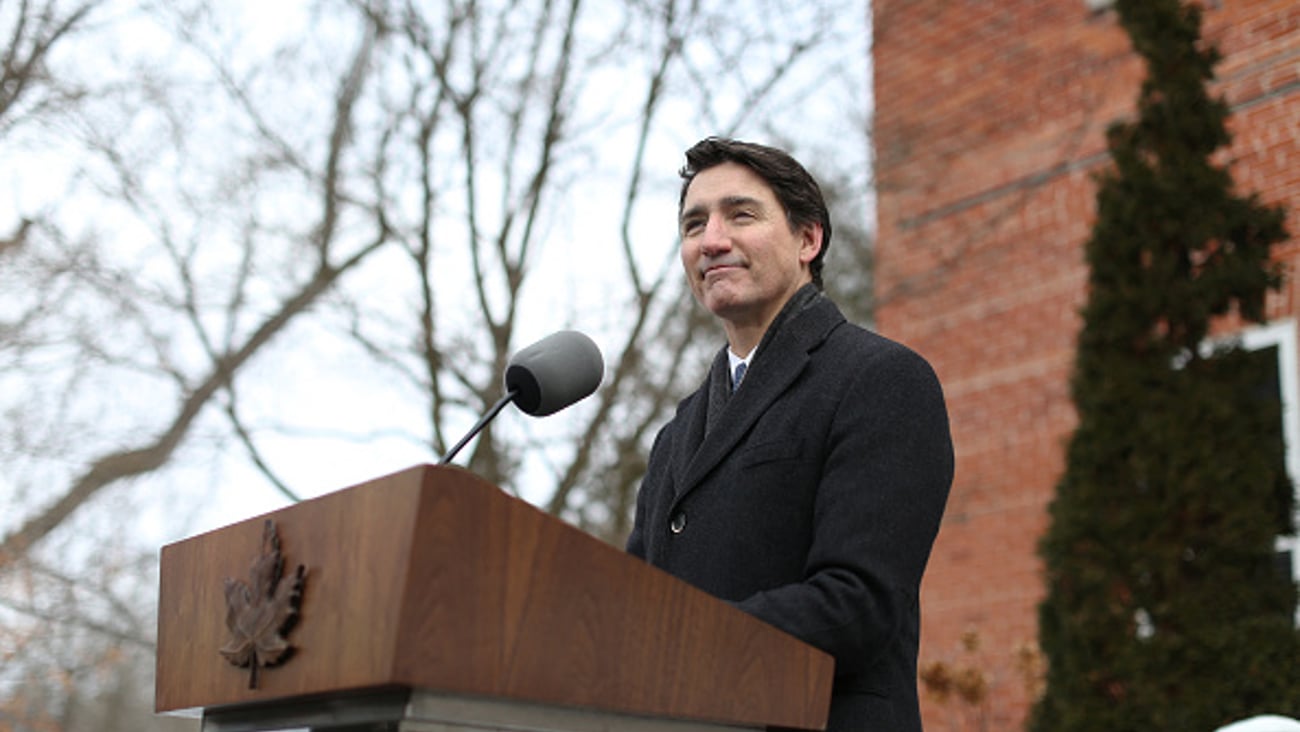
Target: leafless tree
[
  {"x": 506, "y": 134},
  {"x": 189, "y": 322},
  {"x": 259, "y": 250}
]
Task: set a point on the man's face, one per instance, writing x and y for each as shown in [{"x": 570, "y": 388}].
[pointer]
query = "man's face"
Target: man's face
[{"x": 741, "y": 258}]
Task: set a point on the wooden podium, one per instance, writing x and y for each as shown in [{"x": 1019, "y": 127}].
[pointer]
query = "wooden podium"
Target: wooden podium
[{"x": 431, "y": 600}]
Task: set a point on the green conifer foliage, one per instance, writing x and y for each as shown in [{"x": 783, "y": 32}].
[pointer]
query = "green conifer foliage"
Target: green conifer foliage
[{"x": 1165, "y": 606}]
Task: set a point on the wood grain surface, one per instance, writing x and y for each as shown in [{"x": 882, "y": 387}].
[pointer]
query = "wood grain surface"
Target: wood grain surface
[{"x": 432, "y": 578}]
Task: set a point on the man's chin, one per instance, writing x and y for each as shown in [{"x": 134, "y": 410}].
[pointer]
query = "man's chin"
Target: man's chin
[{"x": 729, "y": 307}]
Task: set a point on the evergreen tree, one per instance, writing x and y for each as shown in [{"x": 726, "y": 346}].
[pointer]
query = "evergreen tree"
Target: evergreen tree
[{"x": 1165, "y": 606}]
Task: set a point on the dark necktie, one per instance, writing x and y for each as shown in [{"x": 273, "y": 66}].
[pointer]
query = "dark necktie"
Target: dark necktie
[{"x": 736, "y": 377}]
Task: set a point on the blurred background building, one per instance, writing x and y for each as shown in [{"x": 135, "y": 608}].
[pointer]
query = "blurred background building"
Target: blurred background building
[{"x": 990, "y": 123}]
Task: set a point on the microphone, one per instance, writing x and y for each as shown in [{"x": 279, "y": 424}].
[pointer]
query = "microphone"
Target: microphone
[
  {"x": 561, "y": 369},
  {"x": 553, "y": 373}
]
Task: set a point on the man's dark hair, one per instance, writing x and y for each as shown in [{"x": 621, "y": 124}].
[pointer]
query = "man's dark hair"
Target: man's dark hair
[{"x": 794, "y": 187}]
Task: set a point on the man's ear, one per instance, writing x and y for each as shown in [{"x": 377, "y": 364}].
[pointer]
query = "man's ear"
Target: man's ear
[{"x": 810, "y": 242}]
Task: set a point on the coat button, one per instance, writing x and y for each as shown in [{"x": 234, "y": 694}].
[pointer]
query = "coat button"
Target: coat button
[{"x": 678, "y": 522}]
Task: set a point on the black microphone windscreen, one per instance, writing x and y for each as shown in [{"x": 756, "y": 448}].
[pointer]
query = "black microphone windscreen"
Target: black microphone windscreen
[{"x": 551, "y": 374}]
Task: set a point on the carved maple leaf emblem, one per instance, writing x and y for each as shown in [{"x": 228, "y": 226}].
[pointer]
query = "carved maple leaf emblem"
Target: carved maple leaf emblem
[{"x": 259, "y": 616}]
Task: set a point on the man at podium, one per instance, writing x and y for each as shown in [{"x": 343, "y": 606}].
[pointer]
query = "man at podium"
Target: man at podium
[{"x": 805, "y": 479}]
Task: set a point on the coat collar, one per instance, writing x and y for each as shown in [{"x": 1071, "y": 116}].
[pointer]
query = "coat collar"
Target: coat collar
[{"x": 715, "y": 421}]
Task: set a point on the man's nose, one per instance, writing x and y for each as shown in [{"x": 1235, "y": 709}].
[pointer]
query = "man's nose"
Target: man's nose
[{"x": 715, "y": 239}]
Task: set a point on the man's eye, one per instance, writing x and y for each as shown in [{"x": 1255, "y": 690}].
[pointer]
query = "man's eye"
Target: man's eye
[{"x": 691, "y": 226}]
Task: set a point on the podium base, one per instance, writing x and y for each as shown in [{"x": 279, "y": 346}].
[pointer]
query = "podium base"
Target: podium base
[{"x": 406, "y": 710}]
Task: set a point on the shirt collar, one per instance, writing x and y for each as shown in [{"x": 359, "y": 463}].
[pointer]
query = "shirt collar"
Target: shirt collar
[{"x": 733, "y": 360}]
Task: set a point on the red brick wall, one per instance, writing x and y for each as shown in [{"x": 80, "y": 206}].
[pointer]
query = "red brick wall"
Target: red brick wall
[{"x": 990, "y": 120}]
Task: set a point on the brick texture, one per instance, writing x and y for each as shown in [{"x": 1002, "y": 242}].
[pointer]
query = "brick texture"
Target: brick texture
[{"x": 990, "y": 122}]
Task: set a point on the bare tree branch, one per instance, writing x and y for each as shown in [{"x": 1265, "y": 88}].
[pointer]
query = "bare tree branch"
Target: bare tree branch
[
  {"x": 23, "y": 59},
  {"x": 17, "y": 239},
  {"x": 152, "y": 454},
  {"x": 254, "y": 454},
  {"x": 121, "y": 465}
]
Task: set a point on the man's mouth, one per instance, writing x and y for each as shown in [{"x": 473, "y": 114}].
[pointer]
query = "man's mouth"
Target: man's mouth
[{"x": 720, "y": 267}]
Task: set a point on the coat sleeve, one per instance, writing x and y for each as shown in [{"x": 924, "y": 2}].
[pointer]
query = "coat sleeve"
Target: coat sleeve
[{"x": 887, "y": 471}]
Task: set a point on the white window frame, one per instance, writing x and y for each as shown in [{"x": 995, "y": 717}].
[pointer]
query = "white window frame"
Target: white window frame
[{"x": 1282, "y": 334}]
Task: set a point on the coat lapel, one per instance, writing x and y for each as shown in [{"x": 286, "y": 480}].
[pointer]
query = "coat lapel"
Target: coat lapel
[
  {"x": 692, "y": 414},
  {"x": 780, "y": 358}
]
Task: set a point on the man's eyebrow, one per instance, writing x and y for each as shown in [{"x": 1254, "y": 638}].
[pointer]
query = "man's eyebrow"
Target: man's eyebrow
[
  {"x": 698, "y": 209},
  {"x": 727, "y": 202}
]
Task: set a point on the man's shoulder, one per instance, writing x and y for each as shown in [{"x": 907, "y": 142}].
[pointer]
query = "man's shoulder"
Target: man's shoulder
[
  {"x": 820, "y": 329},
  {"x": 849, "y": 335},
  {"x": 872, "y": 340},
  {"x": 853, "y": 343}
]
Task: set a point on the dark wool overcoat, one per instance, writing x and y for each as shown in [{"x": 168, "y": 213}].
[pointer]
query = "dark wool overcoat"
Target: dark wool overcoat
[{"x": 811, "y": 498}]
